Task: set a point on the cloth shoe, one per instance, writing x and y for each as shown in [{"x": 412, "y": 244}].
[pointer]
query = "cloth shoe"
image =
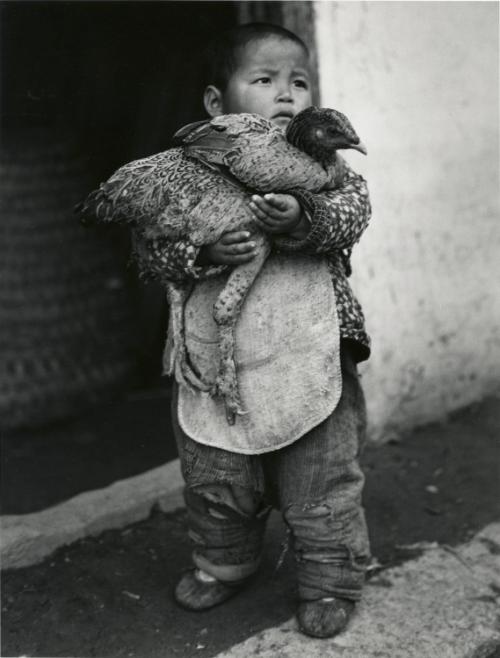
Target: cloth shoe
[
  {"x": 197, "y": 590},
  {"x": 325, "y": 617}
]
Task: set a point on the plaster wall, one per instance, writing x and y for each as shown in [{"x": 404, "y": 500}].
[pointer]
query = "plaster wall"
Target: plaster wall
[{"x": 419, "y": 80}]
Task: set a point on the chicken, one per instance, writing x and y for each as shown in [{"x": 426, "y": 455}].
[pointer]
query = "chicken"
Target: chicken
[{"x": 200, "y": 189}]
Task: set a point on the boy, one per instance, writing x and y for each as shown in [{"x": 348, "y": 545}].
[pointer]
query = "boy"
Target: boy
[{"x": 314, "y": 479}]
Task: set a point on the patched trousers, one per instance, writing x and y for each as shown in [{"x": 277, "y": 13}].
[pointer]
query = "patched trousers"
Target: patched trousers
[{"x": 317, "y": 484}]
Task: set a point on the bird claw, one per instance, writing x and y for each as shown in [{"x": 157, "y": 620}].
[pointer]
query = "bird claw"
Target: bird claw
[
  {"x": 185, "y": 375},
  {"x": 232, "y": 412},
  {"x": 194, "y": 382},
  {"x": 226, "y": 387}
]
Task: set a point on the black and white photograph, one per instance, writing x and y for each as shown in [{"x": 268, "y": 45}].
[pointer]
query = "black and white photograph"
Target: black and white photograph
[{"x": 250, "y": 329}]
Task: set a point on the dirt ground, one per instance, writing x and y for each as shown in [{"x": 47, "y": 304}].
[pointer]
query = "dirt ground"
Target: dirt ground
[
  {"x": 112, "y": 595},
  {"x": 114, "y": 441}
]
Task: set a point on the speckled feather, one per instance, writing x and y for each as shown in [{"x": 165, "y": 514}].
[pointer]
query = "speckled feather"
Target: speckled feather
[
  {"x": 258, "y": 154},
  {"x": 170, "y": 195},
  {"x": 198, "y": 191}
]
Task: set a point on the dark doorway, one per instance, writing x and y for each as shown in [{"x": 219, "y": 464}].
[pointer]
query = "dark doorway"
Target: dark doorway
[
  {"x": 118, "y": 78},
  {"x": 86, "y": 87},
  {"x": 124, "y": 75},
  {"x": 115, "y": 80}
]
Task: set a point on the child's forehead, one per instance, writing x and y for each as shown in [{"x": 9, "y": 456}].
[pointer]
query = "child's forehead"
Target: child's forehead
[{"x": 272, "y": 49}]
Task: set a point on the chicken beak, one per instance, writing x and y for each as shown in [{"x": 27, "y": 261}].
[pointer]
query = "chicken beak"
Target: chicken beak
[{"x": 360, "y": 147}]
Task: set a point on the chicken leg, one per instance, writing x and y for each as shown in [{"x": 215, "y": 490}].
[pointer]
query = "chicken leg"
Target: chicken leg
[{"x": 226, "y": 312}]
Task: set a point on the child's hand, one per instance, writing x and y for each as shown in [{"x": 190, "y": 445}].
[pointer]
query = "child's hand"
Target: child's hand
[
  {"x": 276, "y": 213},
  {"x": 232, "y": 248}
]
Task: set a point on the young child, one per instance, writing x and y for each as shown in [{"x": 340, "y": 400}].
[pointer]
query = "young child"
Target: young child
[{"x": 315, "y": 479}]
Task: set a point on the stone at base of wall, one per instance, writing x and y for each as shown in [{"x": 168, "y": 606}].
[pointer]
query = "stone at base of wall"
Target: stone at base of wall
[{"x": 27, "y": 539}]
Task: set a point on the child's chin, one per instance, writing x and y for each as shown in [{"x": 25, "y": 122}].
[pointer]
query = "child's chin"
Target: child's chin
[{"x": 281, "y": 122}]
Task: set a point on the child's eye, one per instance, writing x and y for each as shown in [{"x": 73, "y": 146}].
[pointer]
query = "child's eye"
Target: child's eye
[
  {"x": 264, "y": 80},
  {"x": 302, "y": 84}
]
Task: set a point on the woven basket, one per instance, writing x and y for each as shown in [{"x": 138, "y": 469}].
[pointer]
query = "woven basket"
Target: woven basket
[{"x": 66, "y": 336}]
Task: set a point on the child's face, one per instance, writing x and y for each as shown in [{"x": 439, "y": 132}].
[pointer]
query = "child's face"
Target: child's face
[{"x": 272, "y": 80}]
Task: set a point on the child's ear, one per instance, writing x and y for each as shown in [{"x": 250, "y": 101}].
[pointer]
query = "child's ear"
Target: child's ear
[{"x": 212, "y": 100}]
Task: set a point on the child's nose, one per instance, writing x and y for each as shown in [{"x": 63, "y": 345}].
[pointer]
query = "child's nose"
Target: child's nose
[{"x": 284, "y": 94}]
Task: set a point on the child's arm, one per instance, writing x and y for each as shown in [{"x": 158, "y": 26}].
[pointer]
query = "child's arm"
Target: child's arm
[
  {"x": 315, "y": 223},
  {"x": 169, "y": 260},
  {"x": 330, "y": 221},
  {"x": 233, "y": 248},
  {"x": 280, "y": 214},
  {"x": 178, "y": 260}
]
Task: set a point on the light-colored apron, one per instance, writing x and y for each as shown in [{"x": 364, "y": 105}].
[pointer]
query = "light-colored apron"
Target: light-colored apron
[{"x": 287, "y": 357}]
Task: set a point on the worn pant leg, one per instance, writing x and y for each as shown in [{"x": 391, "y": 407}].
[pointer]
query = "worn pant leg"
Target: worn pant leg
[
  {"x": 224, "y": 497},
  {"x": 320, "y": 484}
]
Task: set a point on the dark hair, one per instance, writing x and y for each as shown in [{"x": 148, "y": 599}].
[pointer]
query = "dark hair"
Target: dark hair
[{"x": 223, "y": 51}]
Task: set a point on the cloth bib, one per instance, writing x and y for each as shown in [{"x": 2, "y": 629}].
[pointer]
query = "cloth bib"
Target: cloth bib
[{"x": 287, "y": 357}]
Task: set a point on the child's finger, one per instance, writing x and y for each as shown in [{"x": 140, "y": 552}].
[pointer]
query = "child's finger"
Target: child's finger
[
  {"x": 232, "y": 237},
  {"x": 259, "y": 207},
  {"x": 276, "y": 201},
  {"x": 238, "y": 247},
  {"x": 270, "y": 226},
  {"x": 238, "y": 259},
  {"x": 263, "y": 210}
]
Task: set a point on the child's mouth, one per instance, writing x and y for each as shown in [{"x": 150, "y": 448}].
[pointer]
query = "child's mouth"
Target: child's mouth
[{"x": 282, "y": 119}]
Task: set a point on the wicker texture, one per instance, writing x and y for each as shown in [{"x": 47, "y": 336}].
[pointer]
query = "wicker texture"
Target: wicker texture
[{"x": 65, "y": 313}]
